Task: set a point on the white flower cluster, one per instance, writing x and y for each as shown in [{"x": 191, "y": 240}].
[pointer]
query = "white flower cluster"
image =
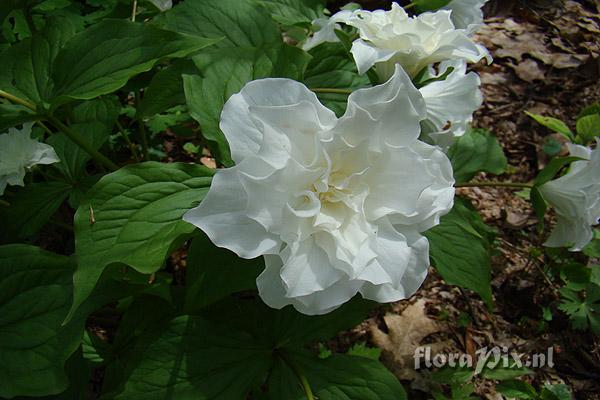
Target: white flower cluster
[
  {"x": 337, "y": 206},
  {"x": 18, "y": 153}
]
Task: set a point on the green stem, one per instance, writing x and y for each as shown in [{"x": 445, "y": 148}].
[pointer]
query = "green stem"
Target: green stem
[
  {"x": 4, "y": 203},
  {"x": 332, "y": 90},
  {"x": 143, "y": 135},
  {"x": 17, "y": 100},
  {"x": 409, "y": 6},
  {"x": 40, "y": 123},
  {"x": 132, "y": 146},
  {"x": 299, "y": 374},
  {"x": 515, "y": 185},
  {"x": 78, "y": 140}
]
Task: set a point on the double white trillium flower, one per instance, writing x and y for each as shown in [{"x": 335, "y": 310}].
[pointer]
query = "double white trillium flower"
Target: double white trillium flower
[
  {"x": 18, "y": 153},
  {"x": 336, "y": 206},
  {"x": 466, "y": 14},
  {"x": 393, "y": 37},
  {"x": 575, "y": 197}
]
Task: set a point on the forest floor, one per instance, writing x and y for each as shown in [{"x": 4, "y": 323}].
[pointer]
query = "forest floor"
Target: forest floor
[{"x": 545, "y": 61}]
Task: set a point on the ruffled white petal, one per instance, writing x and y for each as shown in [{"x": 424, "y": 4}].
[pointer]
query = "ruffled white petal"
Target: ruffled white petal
[
  {"x": 18, "y": 153},
  {"x": 466, "y": 14},
  {"x": 450, "y": 104}
]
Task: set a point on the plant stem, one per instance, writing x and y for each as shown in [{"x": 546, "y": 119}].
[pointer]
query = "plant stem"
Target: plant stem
[
  {"x": 132, "y": 146},
  {"x": 17, "y": 100},
  {"x": 40, "y": 123},
  {"x": 142, "y": 128},
  {"x": 409, "y": 6},
  {"x": 332, "y": 90},
  {"x": 515, "y": 185},
  {"x": 299, "y": 374},
  {"x": 78, "y": 140},
  {"x": 4, "y": 203},
  {"x": 134, "y": 11}
]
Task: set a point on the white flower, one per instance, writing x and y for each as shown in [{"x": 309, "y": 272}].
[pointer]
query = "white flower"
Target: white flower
[
  {"x": 575, "y": 197},
  {"x": 466, "y": 14},
  {"x": 325, "y": 33},
  {"x": 450, "y": 103},
  {"x": 336, "y": 206},
  {"x": 18, "y": 152},
  {"x": 392, "y": 37},
  {"x": 163, "y": 5}
]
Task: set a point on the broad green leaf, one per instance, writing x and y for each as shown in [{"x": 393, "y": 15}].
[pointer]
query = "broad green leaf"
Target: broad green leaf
[
  {"x": 337, "y": 377},
  {"x": 197, "y": 359},
  {"x": 224, "y": 73},
  {"x": 31, "y": 207},
  {"x": 588, "y": 127},
  {"x": 213, "y": 273},
  {"x": 331, "y": 67},
  {"x": 478, "y": 150},
  {"x": 28, "y": 68},
  {"x": 430, "y": 5},
  {"x": 240, "y": 22},
  {"x": 13, "y": 115},
  {"x": 593, "y": 108},
  {"x": 35, "y": 294},
  {"x": 553, "y": 167},
  {"x": 166, "y": 89},
  {"x": 294, "y": 12},
  {"x": 105, "y": 56},
  {"x": 559, "y": 391},
  {"x": 94, "y": 121},
  {"x": 539, "y": 205},
  {"x": 459, "y": 250},
  {"x": 553, "y": 124},
  {"x": 206, "y": 358},
  {"x": 133, "y": 217}
]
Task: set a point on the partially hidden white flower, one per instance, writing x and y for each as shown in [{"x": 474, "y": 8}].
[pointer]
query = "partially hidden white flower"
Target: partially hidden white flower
[
  {"x": 466, "y": 14},
  {"x": 393, "y": 37},
  {"x": 18, "y": 153},
  {"x": 450, "y": 103},
  {"x": 325, "y": 33},
  {"x": 575, "y": 197},
  {"x": 336, "y": 206},
  {"x": 163, "y": 5}
]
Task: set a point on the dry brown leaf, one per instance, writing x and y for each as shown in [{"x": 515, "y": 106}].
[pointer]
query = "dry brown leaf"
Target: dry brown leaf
[
  {"x": 406, "y": 332},
  {"x": 529, "y": 71}
]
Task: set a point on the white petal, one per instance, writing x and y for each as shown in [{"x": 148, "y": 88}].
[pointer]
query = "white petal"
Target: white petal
[
  {"x": 405, "y": 260},
  {"x": 366, "y": 55},
  {"x": 221, "y": 215},
  {"x": 242, "y": 133},
  {"x": 389, "y": 113},
  {"x": 325, "y": 33}
]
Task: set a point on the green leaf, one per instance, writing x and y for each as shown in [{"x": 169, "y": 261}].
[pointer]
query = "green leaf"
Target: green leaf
[
  {"x": 203, "y": 358},
  {"x": 592, "y": 249},
  {"x": 28, "y": 66},
  {"x": 13, "y": 115},
  {"x": 553, "y": 167},
  {"x": 239, "y": 22},
  {"x": 558, "y": 391},
  {"x": 213, "y": 273},
  {"x": 293, "y": 12},
  {"x": 593, "y": 108},
  {"x": 136, "y": 219},
  {"x": 166, "y": 89},
  {"x": 478, "y": 150},
  {"x": 224, "y": 73},
  {"x": 430, "y": 5},
  {"x": 105, "y": 56},
  {"x": 35, "y": 294},
  {"x": 459, "y": 250},
  {"x": 517, "y": 389},
  {"x": 588, "y": 128},
  {"x": 553, "y": 124},
  {"x": 361, "y": 350},
  {"x": 539, "y": 205},
  {"x": 31, "y": 207},
  {"x": 583, "y": 312},
  {"x": 331, "y": 67}
]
